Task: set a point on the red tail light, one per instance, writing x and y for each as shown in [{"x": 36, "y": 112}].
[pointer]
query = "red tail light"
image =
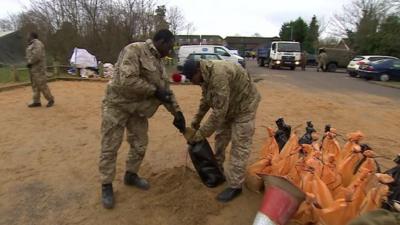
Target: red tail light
[
  {"x": 360, "y": 63},
  {"x": 370, "y": 68}
]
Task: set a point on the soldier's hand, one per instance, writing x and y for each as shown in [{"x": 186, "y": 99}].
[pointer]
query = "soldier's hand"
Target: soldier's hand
[
  {"x": 192, "y": 135},
  {"x": 163, "y": 95},
  {"x": 179, "y": 122}
]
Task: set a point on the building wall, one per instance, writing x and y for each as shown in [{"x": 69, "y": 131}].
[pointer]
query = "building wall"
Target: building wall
[{"x": 199, "y": 39}]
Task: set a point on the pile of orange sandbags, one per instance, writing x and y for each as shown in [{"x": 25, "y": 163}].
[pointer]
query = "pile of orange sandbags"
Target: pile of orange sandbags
[{"x": 340, "y": 183}]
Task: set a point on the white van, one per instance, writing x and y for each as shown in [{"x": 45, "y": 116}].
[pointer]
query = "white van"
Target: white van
[{"x": 186, "y": 50}]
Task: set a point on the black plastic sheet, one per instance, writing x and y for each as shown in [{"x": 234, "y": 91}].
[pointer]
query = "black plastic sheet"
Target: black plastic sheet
[
  {"x": 205, "y": 164},
  {"x": 282, "y": 135}
]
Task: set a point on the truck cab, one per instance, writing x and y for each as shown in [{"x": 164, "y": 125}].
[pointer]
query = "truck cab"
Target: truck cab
[
  {"x": 285, "y": 54},
  {"x": 280, "y": 54}
]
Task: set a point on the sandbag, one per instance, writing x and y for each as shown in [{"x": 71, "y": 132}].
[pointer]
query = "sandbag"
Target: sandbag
[{"x": 205, "y": 164}]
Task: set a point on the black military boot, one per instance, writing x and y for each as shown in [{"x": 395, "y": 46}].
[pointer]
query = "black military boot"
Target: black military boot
[
  {"x": 35, "y": 104},
  {"x": 107, "y": 196},
  {"x": 132, "y": 179},
  {"x": 50, "y": 103},
  {"x": 229, "y": 194}
]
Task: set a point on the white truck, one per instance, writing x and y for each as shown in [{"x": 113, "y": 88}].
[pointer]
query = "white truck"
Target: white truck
[
  {"x": 185, "y": 50},
  {"x": 280, "y": 54}
]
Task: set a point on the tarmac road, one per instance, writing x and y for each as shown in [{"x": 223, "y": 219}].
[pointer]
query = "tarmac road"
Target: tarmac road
[{"x": 314, "y": 81}]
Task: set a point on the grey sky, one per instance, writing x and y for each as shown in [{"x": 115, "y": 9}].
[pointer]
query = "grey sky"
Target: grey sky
[{"x": 230, "y": 17}]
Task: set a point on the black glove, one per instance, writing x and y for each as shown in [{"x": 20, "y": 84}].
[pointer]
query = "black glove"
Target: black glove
[
  {"x": 163, "y": 95},
  {"x": 29, "y": 65},
  {"x": 179, "y": 122}
]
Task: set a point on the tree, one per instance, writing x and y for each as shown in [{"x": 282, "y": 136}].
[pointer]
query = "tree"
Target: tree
[
  {"x": 388, "y": 37},
  {"x": 160, "y": 18},
  {"x": 256, "y": 35},
  {"x": 294, "y": 31},
  {"x": 101, "y": 26},
  {"x": 352, "y": 14},
  {"x": 311, "y": 42},
  {"x": 175, "y": 19}
]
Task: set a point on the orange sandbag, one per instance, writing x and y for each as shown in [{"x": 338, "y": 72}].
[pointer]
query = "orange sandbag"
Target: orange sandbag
[
  {"x": 331, "y": 146},
  {"x": 253, "y": 180},
  {"x": 346, "y": 167},
  {"x": 295, "y": 173},
  {"x": 337, "y": 214},
  {"x": 378, "y": 190},
  {"x": 329, "y": 175},
  {"x": 374, "y": 198},
  {"x": 370, "y": 163},
  {"x": 270, "y": 147},
  {"x": 305, "y": 214},
  {"x": 282, "y": 164},
  {"x": 353, "y": 140},
  {"x": 322, "y": 193}
]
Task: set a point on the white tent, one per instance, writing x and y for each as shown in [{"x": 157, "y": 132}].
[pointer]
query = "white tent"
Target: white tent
[{"x": 81, "y": 58}]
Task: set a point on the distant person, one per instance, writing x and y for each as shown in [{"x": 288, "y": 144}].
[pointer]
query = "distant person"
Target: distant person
[
  {"x": 36, "y": 59},
  {"x": 303, "y": 61},
  {"x": 138, "y": 87},
  {"x": 322, "y": 58},
  {"x": 230, "y": 92}
]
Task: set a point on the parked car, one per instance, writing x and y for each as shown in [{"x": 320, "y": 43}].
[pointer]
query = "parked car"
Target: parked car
[
  {"x": 208, "y": 56},
  {"x": 186, "y": 50},
  {"x": 382, "y": 70},
  {"x": 355, "y": 64},
  {"x": 199, "y": 56}
]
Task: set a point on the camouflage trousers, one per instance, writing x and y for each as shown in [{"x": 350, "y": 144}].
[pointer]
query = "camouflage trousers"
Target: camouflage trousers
[
  {"x": 115, "y": 121},
  {"x": 321, "y": 66},
  {"x": 39, "y": 85},
  {"x": 240, "y": 132}
]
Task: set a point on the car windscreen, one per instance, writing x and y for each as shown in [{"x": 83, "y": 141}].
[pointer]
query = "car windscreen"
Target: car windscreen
[{"x": 289, "y": 47}]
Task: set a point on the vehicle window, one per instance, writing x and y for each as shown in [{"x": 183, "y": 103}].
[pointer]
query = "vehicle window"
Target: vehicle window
[
  {"x": 273, "y": 46},
  {"x": 289, "y": 47},
  {"x": 372, "y": 59},
  {"x": 194, "y": 57},
  {"x": 396, "y": 65},
  {"x": 220, "y": 51},
  {"x": 211, "y": 57}
]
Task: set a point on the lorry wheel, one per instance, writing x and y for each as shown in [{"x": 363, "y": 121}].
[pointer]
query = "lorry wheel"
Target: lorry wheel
[
  {"x": 261, "y": 62},
  {"x": 384, "y": 77},
  {"x": 293, "y": 68},
  {"x": 332, "y": 67}
]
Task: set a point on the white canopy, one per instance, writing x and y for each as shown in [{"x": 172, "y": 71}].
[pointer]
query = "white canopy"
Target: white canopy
[{"x": 81, "y": 58}]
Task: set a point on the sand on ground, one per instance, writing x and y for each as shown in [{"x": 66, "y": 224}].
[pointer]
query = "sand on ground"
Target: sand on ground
[{"x": 49, "y": 157}]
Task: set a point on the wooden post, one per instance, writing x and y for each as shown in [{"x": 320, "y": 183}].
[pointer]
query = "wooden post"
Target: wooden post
[
  {"x": 14, "y": 73},
  {"x": 101, "y": 69},
  {"x": 55, "y": 69}
]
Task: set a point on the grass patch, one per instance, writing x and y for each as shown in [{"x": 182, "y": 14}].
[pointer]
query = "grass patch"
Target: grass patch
[{"x": 6, "y": 75}]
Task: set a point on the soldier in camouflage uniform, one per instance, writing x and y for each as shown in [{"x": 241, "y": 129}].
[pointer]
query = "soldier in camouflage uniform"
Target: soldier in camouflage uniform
[
  {"x": 139, "y": 86},
  {"x": 36, "y": 58},
  {"x": 231, "y": 94},
  {"x": 322, "y": 58},
  {"x": 377, "y": 217}
]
